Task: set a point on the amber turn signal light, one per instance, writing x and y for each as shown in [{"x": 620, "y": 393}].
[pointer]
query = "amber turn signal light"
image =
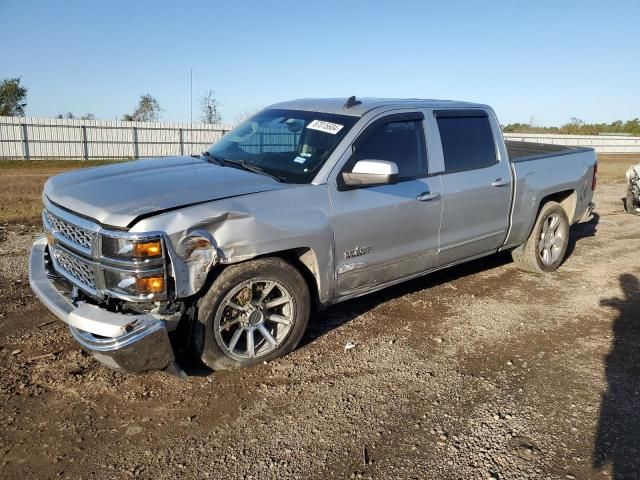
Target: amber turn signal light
[
  {"x": 150, "y": 284},
  {"x": 147, "y": 249}
]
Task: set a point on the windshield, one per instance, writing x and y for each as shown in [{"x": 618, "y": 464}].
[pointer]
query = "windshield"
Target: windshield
[{"x": 289, "y": 144}]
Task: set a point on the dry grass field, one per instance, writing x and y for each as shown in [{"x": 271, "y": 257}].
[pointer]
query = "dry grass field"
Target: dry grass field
[
  {"x": 22, "y": 182},
  {"x": 611, "y": 168}
]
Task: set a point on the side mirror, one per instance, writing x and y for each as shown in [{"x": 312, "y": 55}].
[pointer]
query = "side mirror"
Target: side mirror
[{"x": 367, "y": 173}]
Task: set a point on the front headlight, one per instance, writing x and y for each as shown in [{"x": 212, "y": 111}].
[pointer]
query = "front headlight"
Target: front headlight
[
  {"x": 121, "y": 248},
  {"x": 134, "y": 267},
  {"x": 135, "y": 284}
]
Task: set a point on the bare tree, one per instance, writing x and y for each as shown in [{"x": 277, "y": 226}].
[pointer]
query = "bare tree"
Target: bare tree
[
  {"x": 12, "y": 98},
  {"x": 244, "y": 114},
  {"x": 148, "y": 110},
  {"x": 210, "y": 108}
]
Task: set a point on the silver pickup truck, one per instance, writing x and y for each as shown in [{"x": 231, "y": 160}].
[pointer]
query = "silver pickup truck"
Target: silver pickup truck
[{"x": 306, "y": 204}]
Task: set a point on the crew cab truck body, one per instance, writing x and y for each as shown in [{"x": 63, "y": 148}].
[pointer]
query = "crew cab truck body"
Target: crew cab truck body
[{"x": 306, "y": 204}]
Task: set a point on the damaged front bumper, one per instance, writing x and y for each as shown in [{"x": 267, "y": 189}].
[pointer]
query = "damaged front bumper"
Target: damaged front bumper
[{"x": 131, "y": 343}]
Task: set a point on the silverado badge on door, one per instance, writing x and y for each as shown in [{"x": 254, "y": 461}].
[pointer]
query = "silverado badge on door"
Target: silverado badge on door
[{"x": 357, "y": 252}]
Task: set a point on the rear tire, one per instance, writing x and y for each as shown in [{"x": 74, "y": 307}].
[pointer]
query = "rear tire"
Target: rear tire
[
  {"x": 254, "y": 312},
  {"x": 546, "y": 246}
]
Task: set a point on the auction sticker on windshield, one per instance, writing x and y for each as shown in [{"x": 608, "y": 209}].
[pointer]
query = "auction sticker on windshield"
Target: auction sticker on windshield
[{"x": 326, "y": 127}]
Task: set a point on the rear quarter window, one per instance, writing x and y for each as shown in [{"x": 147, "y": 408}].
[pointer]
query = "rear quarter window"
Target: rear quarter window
[{"x": 467, "y": 140}]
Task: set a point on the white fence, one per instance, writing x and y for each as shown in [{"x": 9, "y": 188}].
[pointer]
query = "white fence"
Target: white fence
[
  {"x": 43, "y": 138},
  {"x": 46, "y": 138},
  {"x": 601, "y": 143}
]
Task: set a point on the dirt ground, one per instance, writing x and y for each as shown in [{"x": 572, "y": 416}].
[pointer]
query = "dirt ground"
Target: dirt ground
[{"x": 481, "y": 371}]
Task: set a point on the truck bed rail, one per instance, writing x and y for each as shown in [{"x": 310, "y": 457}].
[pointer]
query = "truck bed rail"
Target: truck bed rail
[{"x": 523, "y": 151}]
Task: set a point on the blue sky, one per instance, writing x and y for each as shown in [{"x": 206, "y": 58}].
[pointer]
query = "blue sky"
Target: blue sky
[{"x": 550, "y": 60}]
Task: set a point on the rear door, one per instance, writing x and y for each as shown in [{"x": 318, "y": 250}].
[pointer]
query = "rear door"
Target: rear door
[
  {"x": 476, "y": 185},
  {"x": 384, "y": 233}
]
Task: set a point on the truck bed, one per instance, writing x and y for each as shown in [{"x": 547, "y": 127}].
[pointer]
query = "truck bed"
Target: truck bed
[
  {"x": 541, "y": 170},
  {"x": 523, "y": 151}
]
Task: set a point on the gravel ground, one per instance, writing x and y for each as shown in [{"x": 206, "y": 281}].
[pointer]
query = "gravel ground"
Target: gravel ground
[{"x": 481, "y": 371}]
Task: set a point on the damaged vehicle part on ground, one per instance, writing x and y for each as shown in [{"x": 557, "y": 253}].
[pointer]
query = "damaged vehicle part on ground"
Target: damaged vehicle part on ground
[{"x": 632, "y": 198}]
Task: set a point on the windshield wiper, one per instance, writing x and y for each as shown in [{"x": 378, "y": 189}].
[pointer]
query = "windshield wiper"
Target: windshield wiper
[
  {"x": 213, "y": 158},
  {"x": 242, "y": 164},
  {"x": 255, "y": 169}
]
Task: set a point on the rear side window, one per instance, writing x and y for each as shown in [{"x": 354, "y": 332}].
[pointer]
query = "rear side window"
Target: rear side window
[
  {"x": 467, "y": 139},
  {"x": 400, "y": 142}
]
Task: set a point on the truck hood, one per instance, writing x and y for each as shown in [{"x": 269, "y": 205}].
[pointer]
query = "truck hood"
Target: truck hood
[{"x": 119, "y": 194}]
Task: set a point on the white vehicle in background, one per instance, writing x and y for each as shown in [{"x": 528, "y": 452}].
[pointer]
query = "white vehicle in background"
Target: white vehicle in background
[{"x": 632, "y": 201}]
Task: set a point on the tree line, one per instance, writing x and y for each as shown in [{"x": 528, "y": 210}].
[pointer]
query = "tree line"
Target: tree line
[
  {"x": 13, "y": 102},
  {"x": 578, "y": 127}
]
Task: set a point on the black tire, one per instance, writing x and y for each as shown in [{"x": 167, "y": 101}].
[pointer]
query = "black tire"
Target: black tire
[
  {"x": 529, "y": 257},
  {"x": 212, "y": 313}
]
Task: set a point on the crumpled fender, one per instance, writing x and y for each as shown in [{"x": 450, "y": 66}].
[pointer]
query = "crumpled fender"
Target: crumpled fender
[{"x": 245, "y": 227}]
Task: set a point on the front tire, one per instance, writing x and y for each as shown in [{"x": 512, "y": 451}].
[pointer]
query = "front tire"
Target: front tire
[
  {"x": 254, "y": 312},
  {"x": 546, "y": 246}
]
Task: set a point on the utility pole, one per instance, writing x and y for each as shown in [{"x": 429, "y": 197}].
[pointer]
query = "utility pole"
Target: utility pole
[{"x": 191, "y": 94}]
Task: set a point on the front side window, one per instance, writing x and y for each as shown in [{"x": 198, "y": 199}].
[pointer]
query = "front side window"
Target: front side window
[
  {"x": 401, "y": 142},
  {"x": 289, "y": 144},
  {"x": 467, "y": 140}
]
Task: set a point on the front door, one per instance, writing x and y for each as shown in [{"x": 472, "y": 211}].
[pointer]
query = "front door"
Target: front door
[{"x": 384, "y": 233}]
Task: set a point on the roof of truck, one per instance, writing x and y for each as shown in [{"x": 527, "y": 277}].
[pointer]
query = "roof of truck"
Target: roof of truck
[{"x": 338, "y": 105}]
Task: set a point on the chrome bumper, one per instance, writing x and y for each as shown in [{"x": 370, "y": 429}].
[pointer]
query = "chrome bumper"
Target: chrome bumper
[{"x": 132, "y": 343}]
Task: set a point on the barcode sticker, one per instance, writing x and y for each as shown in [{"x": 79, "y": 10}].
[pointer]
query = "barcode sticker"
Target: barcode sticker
[{"x": 326, "y": 127}]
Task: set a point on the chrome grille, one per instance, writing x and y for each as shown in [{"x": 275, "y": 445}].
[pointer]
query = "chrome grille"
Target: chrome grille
[
  {"x": 76, "y": 268},
  {"x": 73, "y": 233},
  {"x": 75, "y": 248}
]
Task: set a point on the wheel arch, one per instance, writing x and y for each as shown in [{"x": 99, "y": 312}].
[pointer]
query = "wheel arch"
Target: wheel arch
[
  {"x": 568, "y": 200},
  {"x": 304, "y": 259}
]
